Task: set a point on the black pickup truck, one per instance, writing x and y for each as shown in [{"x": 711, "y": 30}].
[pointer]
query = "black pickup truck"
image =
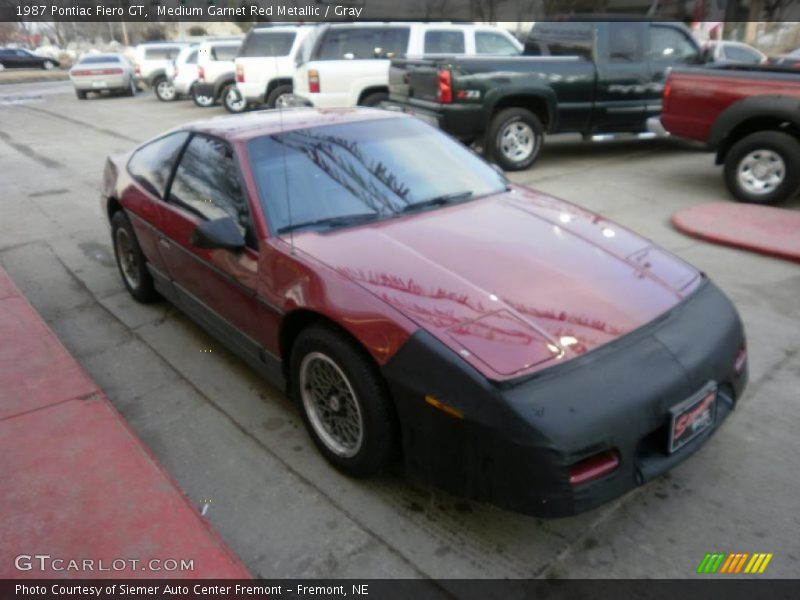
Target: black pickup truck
[{"x": 589, "y": 77}]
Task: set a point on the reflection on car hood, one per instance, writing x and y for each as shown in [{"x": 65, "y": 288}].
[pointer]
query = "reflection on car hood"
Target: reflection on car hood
[{"x": 513, "y": 283}]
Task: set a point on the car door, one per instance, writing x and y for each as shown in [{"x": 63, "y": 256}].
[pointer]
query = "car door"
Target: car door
[
  {"x": 622, "y": 77},
  {"x": 217, "y": 287},
  {"x": 669, "y": 46}
]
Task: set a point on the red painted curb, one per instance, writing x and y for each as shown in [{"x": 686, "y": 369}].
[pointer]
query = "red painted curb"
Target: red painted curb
[
  {"x": 763, "y": 229},
  {"x": 78, "y": 484}
]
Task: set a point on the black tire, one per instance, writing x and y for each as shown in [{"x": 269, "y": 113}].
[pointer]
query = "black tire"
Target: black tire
[
  {"x": 130, "y": 91},
  {"x": 785, "y": 146},
  {"x": 380, "y": 439},
  {"x": 227, "y": 95},
  {"x": 142, "y": 289},
  {"x": 203, "y": 101},
  {"x": 279, "y": 91},
  {"x": 505, "y": 119},
  {"x": 374, "y": 99},
  {"x": 81, "y": 94},
  {"x": 164, "y": 90}
]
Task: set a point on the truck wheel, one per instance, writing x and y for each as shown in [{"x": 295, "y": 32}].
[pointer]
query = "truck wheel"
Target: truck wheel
[
  {"x": 374, "y": 99},
  {"x": 165, "y": 90},
  {"x": 202, "y": 100},
  {"x": 275, "y": 98},
  {"x": 343, "y": 401},
  {"x": 763, "y": 168},
  {"x": 515, "y": 138},
  {"x": 232, "y": 99}
]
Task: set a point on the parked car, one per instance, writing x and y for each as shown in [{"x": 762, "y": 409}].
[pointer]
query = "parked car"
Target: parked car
[
  {"x": 750, "y": 116},
  {"x": 151, "y": 61},
  {"x": 591, "y": 77},
  {"x": 347, "y": 64},
  {"x": 216, "y": 76},
  {"x": 103, "y": 73},
  {"x": 789, "y": 60},
  {"x": 510, "y": 346},
  {"x": 725, "y": 52},
  {"x": 181, "y": 76},
  {"x": 19, "y": 58},
  {"x": 266, "y": 63}
]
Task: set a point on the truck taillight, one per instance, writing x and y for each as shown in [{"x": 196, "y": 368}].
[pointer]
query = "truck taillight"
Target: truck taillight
[
  {"x": 239, "y": 74},
  {"x": 445, "y": 91},
  {"x": 138, "y": 69},
  {"x": 313, "y": 81},
  {"x": 201, "y": 74}
]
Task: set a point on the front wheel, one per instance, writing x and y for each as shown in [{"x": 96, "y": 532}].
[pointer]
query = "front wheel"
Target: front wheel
[
  {"x": 515, "y": 138},
  {"x": 344, "y": 401},
  {"x": 763, "y": 168},
  {"x": 131, "y": 261},
  {"x": 165, "y": 90},
  {"x": 232, "y": 99}
]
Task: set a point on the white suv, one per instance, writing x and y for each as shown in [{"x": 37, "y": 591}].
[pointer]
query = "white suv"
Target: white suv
[
  {"x": 215, "y": 73},
  {"x": 267, "y": 60},
  {"x": 348, "y": 64},
  {"x": 152, "y": 59}
]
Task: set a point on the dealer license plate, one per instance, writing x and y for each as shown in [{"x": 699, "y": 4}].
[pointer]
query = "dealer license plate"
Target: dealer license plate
[
  {"x": 99, "y": 84},
  {"x": 693, "y": 417}
]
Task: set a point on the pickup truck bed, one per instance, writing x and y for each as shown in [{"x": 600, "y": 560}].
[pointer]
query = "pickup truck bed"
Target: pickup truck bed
[{"x": 749, "y": 115}]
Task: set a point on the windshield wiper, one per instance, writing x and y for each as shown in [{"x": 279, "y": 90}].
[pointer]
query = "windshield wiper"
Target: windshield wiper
[
  {"x": 331, "y": 222},
  {"x": 440, "y": 200}
]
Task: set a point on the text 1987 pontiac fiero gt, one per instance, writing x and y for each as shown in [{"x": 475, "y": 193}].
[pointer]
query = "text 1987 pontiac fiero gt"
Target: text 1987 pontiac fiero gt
[{"x": 509, "y": 346}]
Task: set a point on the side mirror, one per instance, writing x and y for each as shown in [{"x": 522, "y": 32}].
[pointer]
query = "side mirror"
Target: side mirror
[{"x": 221, "y": 233}]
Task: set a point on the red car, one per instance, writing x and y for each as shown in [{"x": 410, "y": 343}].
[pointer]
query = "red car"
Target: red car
[{"x": 509, "y": 346}]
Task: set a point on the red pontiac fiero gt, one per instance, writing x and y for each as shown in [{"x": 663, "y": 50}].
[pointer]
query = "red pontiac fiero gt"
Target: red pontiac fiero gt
[{"x": 511, "y": 347}]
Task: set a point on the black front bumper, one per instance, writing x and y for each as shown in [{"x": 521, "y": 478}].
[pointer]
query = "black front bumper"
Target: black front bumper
[{"x": 516, "y": 441}]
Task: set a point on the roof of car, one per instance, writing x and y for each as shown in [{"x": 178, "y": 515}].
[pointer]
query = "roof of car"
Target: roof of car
[{"x": 267, "y": 122}]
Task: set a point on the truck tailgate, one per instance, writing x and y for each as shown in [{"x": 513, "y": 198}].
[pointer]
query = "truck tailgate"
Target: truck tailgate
[{"x": 414, "y": 78}]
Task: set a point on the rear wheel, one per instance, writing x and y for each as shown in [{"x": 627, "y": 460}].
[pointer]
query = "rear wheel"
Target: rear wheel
[
  {"x": 131, "y": 261},
  {"x": 232, "y": 99},
  {"x": 203, "y": 100},
  {"x": 131, "y": 90},
  {"x": 515, "y": 138},
  {"x": 343, "y": 400},
  {"x": 81, "y": 94},
  {"x": 277, "y": 97},
  {"x": 374, "y": 99},
  {"x": 165, "y": 90},
  {"x": 763, "y": 168}
]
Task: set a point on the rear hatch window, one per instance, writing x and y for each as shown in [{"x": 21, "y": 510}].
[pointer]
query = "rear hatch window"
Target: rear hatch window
[{"x": 268, "y": 43}]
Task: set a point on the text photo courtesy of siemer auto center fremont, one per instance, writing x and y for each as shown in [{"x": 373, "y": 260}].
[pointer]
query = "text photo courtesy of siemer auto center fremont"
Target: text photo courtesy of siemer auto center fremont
[{"x": 434, "y": 299}]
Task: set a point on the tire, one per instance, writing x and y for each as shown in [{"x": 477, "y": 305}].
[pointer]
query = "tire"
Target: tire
[
  {"x": 164, "y": 89},
  {"x": 81, "y": 94},
  {"x": 374, "y": 99},
  {"x": 203, "y": 101},
  {"x": 514, "y": 139},
  {"x": 323, "y": 348},
  {"x": 763, "y": 167},
  {"x": 232, "y": 99},
  {"x": 131, "y": 89},
  {"x": 279, "y": 91},
  {"x": 48, "y": 65},
  {"x": 131, "y": 262}
]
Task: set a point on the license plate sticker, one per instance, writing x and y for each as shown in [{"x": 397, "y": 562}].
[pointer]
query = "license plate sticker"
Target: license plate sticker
[{"x": 693, "y": 417}]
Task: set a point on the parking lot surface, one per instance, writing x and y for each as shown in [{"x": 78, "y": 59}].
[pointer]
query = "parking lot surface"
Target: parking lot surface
[{"x": 235, "y": 443}]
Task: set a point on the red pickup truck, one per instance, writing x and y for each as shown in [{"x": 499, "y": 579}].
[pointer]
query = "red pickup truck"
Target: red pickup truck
[{"x": 750, "y": 115}]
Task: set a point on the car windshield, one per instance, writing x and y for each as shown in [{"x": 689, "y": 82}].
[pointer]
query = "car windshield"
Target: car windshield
[{"x": 339, "y": 175}]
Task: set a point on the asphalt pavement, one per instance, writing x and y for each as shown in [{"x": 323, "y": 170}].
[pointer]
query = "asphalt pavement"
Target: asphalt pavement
[{"x": 233, "y": 442}]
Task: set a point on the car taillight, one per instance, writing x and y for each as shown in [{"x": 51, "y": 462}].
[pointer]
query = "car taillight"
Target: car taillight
[
  {"x": 313, "y": 81},
  {"x": 594, "y": 467},
  {"x": 445, "y": 91},
  {"x": 201, "y": 74},
  {"x": 84, "y": 72},
  {"x": 138, "y": 69},
  {"x": 239, "y": 74}
]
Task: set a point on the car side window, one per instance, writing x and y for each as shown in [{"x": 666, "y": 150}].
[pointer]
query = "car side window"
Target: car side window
[
  {"x": 740, "y": 54},
  {"x": 625, "y": 42},
  {"x": 671, "y": 46},
  {"x": 444, "y": 42},
  {"x": 151, "y": 165},
  {"x": 489, "y": 42},
  {"x": 364, "y": 42},
  {"x": 206, "y": 181},
  {"x": 192, "y": 58},
  {"x": 224, "y": 52}
]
